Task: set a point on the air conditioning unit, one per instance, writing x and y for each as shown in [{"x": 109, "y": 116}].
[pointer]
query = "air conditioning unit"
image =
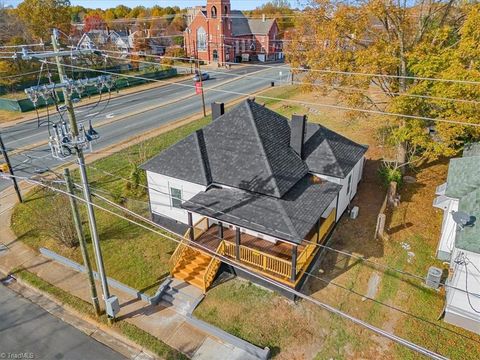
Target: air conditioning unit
[
  {"x": 354, "y": 212},
  {"x": 434, "y": 277}
]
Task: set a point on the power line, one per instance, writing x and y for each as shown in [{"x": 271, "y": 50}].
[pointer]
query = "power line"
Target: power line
[
  {"x": 328, "y": 106},
  {"x": 386, "y": 268},
  {"x": 333, "y": 87},
  {"x": 350, "y": 73},
  {"x": 410, "y": 345}
]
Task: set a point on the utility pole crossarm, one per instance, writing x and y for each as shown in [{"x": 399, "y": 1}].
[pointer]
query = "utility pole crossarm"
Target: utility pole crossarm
[{"x": 110, "y": 303}]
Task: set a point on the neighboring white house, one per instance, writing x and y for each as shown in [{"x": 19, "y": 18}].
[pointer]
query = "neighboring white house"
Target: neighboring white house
[
  {"x": 460, "y": 245},
  {"x": 256, "y": 150}
]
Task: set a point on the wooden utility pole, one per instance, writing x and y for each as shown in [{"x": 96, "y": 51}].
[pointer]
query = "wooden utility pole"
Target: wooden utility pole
[
  {"x": 83, "y": 173},
  {"x": 81, "y": 239},
  {"x": 10, "y": 169},
  {"x": 199, "y": 71}
]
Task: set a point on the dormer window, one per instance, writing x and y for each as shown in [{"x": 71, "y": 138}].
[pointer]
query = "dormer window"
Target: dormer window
[{"x": 214, "y": 12}]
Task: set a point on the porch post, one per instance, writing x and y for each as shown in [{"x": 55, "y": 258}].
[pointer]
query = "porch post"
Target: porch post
[
  {"x": 237, "y": 243},
  {"x": 293, "y": 276},
  {"x": 190, "y": 225},
  {"x": 220, "y": 230}
]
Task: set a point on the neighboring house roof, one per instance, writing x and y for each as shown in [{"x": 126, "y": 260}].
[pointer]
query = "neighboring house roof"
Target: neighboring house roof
[
  {"x": 329, "y": 153},
  {"x": 241, "y": 25},
  {"x": 463, "y": 183},
  {"x": 289, "y": 218},
  {"x": 469, "y": 238},
  {"x": 247, "y": 148},
  {"x": 463, "y": 176},
  {"x": 471, "y": 150}
]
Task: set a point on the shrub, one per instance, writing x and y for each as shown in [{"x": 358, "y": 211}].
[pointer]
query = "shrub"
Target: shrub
[{"x": 390, "y": 172}]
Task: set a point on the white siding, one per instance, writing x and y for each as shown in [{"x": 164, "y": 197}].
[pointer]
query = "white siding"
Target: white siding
[
  {"x": 344, "y": 198},
  {"x": 447, "y": 238},
  {"x": 160, "y": 201},
  {"x": 462, "y": 308}
]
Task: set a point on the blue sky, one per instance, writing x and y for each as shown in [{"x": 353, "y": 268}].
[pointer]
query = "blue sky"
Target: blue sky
[{"x": 236, "y": 4}]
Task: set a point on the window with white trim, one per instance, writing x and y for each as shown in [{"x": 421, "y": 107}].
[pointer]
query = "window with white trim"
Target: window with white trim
[{"x": 176, "y": 197}]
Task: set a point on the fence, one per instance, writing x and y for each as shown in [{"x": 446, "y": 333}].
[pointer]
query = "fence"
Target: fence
[{"x": 24, "y": 105}]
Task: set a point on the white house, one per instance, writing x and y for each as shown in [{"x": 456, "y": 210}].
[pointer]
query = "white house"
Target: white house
[
  {"x": 255, "y": 187},
  {"x": 178, "y": 173},
  {"x": 460, "y": 243}
]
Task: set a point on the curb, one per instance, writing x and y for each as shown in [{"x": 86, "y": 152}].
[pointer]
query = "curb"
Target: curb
[
  {"x": 127, "y": 343},
  {"x": 133, "y": 113},
  {"x": 92, "y": 100}
]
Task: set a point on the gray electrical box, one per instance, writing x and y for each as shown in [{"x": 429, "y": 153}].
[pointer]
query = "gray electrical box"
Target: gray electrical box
[
  {"x": 112, "y": 306},
  {"x": 434, "y": 277}
]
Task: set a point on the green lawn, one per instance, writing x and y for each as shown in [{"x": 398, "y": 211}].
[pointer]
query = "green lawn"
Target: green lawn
[{"x": 134, "y": 256}]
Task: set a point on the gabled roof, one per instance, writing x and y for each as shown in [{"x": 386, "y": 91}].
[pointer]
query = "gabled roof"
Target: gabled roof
[
  {"x": 241, "y": 25},
  {"x": 329, "y": 153},
  {"x": 247, "y": 148},
  {"x": 289, "y": 218}
]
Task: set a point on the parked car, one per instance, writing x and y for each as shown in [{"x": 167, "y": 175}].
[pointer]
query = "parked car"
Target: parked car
[{"x": 205, "y": 76}]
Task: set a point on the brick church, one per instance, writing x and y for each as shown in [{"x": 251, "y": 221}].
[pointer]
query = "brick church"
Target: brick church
[{"x": 215, "y": 33}]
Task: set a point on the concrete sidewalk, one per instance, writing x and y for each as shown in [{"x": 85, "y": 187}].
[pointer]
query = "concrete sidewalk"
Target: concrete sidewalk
[{"x": 162, "y": 322}]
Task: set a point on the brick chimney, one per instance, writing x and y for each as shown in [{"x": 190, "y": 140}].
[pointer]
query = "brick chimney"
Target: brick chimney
[
  {"x": 218, "y": 109},
  {"x": 297, "y": 135}
]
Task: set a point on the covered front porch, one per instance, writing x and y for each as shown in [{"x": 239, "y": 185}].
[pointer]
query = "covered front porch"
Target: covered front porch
[{"x": 282, "y": 261}]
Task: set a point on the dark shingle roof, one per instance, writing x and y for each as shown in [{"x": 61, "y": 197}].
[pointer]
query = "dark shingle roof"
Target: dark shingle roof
[
  {"x": 289, "y": 218},
  {"x": 329, "y": 153},
  {"x": 242, "y": 25},
  {"x": 246, "y": 148}
]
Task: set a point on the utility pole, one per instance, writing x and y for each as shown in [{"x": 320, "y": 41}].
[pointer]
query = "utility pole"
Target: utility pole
[
  {"x": 83, "y": 173},
  {"x": 81, "y": 239},
  {"x": 201, "y": 86},
  {"x": 10, "y": 169}
]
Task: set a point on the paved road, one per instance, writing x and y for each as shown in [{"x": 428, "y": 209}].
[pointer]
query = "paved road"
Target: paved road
[
  {"x": 144, "y": 117},
  {"x": 25, "y": 328}
]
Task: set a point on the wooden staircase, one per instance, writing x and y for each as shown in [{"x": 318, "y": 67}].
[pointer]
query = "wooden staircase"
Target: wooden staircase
[{"x": 195, "y": 267}]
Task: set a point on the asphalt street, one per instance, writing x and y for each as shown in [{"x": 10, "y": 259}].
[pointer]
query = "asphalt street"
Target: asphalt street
[
  {"x": 29, "y": 332},
  {"x": 137, "y": 113}
]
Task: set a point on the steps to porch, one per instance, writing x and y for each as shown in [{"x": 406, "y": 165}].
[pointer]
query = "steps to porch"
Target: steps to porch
[
  {"x": 191, "y": 269},
  {"x": 194, "y": 267}
]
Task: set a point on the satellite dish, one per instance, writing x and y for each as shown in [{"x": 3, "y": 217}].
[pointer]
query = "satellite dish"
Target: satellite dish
[{"x": 463, "y": 219}]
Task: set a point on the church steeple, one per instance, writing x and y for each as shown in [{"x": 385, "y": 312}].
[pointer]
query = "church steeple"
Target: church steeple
[{"x": 218, "y": 9}]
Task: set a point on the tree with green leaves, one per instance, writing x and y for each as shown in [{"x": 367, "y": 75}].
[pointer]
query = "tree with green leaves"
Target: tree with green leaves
[{"x": 41, "y": 16}]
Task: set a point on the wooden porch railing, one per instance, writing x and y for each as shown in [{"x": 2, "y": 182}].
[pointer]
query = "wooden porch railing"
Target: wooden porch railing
[
  {"x": 200, "y": 227},
  {"x": 212, "y": 267},
  {"x": 327, "y": 225},
  {"x": 260, "y": 260},
  {"x": 304, "y": 258},
  {"x": 178, "y": 253}
]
